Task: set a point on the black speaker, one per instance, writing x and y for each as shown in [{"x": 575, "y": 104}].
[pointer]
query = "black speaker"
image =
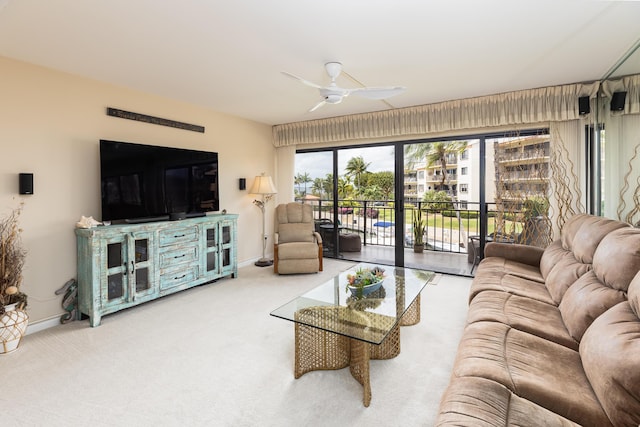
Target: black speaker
[
  {"x": 617, "y": 101},
  {"x": 242, "y": 183},
  {"x": 584, "y": 106},
  {"x": 26, "y": 183}
]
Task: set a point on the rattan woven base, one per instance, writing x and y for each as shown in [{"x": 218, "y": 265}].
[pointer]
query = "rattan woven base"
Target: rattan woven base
[
  {"x": 319, "y": 349},
  {"x": 412, "y": 315}
]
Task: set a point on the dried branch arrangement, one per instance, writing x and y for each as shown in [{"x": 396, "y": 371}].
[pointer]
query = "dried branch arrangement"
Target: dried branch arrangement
[
  {"x": 12, "y": 259},
  {"x": 622, "y": 204}
]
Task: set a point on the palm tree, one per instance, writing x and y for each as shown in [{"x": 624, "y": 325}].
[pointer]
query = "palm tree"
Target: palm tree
[
  {"x": 356, "y": 167},
  {"x": 344, "y": 187},
  {"x": 303, "y": 178},
  {"x": 435, "y": 153},
  {"x": 317, "y": 187}
]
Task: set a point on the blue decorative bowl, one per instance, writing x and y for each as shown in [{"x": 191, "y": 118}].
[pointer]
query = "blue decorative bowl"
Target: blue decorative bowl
[{"x": 366, "y": 290}]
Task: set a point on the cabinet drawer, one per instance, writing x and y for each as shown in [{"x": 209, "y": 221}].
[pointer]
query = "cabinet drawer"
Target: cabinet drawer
[
  {"x": 173, "y": 277},
  {"x": 175, "y": 236},
  {"x": 169, "y": 257}
]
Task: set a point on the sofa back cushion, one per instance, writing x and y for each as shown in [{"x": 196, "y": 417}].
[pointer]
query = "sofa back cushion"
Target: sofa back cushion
[
  {"x": 590, "y": 234},
  {"x": 550, "y": 257},
  {"x": 570, "y": 229},
  {"x": 610, "y": 352},
  {"x": 564, "y": 274},
  {"x": 617, "y": 259},
  {"x": 584, "y": 301}
]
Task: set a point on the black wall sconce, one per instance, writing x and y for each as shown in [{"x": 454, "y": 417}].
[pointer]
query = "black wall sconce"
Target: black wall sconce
[
  {"x": 26, "y": 183},
  {"x": 242, "y": 183},
  {"x": 617, "y": 101}
]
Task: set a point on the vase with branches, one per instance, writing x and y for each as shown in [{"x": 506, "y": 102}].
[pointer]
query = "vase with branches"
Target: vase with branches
[{"x": 12, "y": 259}]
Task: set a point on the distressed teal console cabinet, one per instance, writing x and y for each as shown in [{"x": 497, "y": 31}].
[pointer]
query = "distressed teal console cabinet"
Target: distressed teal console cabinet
[{"x": 120, "y": 266}]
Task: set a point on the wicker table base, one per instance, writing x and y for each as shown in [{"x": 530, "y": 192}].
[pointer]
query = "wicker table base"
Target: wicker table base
[{"x": 318, "y": 349}]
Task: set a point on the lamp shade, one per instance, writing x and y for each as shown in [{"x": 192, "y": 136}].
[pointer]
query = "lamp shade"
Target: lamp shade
[{"x": 263, "y": 185}]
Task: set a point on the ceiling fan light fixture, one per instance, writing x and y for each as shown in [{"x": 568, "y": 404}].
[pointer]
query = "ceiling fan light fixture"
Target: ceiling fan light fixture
[{"x": 333, "y": 99}]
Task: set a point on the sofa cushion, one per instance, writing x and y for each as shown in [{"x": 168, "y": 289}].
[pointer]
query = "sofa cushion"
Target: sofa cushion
[
  {"x": 617, "y": 259},
  {"x": 610, "y": 351},
  {"x": 563, "y": 275},
  {"x": 522, "y": 313},
  {"x": 551, "y": 256},
  {"x": 519, "y": 269},
  {"x": 588, "y": 237},
  {"x": 543, "y": 372},
  {"x": 570, "y": 229},
  {"x": 584, "y": 301},
  {"x": 486, "y": 279},
  {"x": 479, "y": 402}
]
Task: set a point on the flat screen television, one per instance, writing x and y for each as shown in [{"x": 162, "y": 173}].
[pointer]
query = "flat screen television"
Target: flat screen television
[{"x": 149, "y": 183}]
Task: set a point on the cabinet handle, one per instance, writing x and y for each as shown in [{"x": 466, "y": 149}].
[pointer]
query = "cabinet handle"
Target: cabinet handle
[
  {"x": 133, "y": 269},
  {"x": 179, "y": 235},
  {"x": 180, "y": 256},
  {"x": 177, "y": 278}
]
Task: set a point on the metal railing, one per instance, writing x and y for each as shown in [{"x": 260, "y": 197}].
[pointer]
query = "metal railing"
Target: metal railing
[{"x": 448, "y": 227}]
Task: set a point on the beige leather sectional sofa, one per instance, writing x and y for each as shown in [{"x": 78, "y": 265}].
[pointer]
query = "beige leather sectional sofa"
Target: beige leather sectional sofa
[{"x": 553, "y": 336}]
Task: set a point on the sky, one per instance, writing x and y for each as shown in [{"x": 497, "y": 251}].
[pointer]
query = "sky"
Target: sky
[{"x": 318, "y": 165}]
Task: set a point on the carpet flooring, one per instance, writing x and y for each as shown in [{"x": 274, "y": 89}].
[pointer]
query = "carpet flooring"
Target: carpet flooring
[{"x": 213, "y": 356}]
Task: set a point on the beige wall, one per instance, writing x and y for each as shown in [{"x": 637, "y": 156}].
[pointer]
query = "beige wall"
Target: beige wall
[{"x": 51, "y": 124}]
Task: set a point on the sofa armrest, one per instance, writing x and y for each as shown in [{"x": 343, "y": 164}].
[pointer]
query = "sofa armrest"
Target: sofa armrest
[
  {"x": 276, "y": 237},
  {"x": 318, "y": 237},
  {"x": 525, "y": 254}
]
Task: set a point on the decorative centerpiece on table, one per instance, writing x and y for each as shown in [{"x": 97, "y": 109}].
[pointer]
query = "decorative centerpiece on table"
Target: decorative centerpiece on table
[
  {"x": 365, "y": 281},
  {"x": 371, "y": 301}
]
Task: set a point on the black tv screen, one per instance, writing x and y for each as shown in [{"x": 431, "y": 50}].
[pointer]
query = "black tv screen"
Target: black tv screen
[{"x": 145, "y": 182}]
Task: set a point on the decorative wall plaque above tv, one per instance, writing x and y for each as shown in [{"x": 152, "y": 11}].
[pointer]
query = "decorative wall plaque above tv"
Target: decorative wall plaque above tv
[{"x": 114, "y": 112}]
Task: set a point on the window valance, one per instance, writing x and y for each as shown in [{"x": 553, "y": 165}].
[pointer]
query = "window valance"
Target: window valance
[{"x": 548, "y": 104}]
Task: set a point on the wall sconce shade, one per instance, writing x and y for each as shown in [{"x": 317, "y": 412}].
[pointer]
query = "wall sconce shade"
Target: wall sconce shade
[
  {"x": 263, "y": 185},
  {"x": 26, "y": 183}
]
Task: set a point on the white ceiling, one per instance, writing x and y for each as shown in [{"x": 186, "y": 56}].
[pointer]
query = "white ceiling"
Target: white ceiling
[{"x": 228, "y": 55}]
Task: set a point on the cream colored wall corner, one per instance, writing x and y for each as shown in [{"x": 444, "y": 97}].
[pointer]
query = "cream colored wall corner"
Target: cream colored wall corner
[{"x": 51, "y": 124}]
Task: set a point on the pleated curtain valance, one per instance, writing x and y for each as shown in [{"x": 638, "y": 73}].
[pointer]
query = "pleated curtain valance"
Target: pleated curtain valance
[
  {"x": 628, "y": 84},
  {"x": 548, "y": 104}
]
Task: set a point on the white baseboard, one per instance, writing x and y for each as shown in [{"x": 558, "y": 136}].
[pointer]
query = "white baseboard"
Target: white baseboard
[{"x": 43, "y": 324}]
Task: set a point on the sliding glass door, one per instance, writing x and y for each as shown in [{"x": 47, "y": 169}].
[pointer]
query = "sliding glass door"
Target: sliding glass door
[
  {"x": 353, "y": 193},
  {"x": 430, "y": 204}
]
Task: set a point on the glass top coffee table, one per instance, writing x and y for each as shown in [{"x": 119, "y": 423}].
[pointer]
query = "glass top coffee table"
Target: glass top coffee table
[{"x": 335, "y": 328}]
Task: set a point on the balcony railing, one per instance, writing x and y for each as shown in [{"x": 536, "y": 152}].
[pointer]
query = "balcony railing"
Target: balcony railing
[{"x": 448, "y": 227}]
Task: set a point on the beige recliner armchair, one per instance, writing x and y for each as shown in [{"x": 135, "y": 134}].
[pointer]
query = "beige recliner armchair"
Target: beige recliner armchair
[{"x": 297, "y": 246}]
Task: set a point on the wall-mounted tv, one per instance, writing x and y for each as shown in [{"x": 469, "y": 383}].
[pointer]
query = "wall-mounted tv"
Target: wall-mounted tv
[{"x": 149, "y": 183}]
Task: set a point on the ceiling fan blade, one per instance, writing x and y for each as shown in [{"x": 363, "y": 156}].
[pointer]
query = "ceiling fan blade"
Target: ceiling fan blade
[
  {"x": 306, "y": 82},
  {"x": 378, "y": 92},
  {"x": 318, "y": 105}
]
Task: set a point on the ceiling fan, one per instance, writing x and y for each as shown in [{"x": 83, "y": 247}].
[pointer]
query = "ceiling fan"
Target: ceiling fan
[{"x": 333, "y": 94}]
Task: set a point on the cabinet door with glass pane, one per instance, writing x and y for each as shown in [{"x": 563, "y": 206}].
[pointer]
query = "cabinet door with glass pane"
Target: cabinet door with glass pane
[
  {"x": 227, "y": 246},
  {"x": 221, "y": 246},
  {"x": 128, "y": 271}
]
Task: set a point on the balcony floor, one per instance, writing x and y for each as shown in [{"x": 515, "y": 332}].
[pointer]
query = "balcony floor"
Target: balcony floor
[{"x": 441, "y": 262}]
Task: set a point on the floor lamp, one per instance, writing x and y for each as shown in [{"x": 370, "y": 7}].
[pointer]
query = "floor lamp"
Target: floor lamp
[{"x": 263, "y": 185}]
